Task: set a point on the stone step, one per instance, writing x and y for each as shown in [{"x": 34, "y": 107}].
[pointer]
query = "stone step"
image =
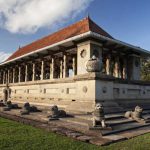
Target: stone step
[
  {"x": 88, "y": 122},
  {"x": 112, "y": 107},
  {"x": 112, "y": 110},
  {"x": 121, "y": 115},
  {"x": 133, "y": 133},
  {"x": 146, "y": 112},
  {"x": 132, "y": 103},
  {"x": 107, "y": 117},
  {"x": 80, "y": 122},
  {"x": 114, "y": 116},
  {"x": 124, "y": 127},
  {"x": 121, "y": 121}
]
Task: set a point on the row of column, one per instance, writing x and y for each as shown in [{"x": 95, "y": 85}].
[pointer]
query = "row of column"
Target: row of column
[
  {"x": 116, "y": 67},
  {"x": 57, "y": 68}
]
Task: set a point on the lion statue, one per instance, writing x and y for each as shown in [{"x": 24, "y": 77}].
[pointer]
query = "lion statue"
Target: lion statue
[
  {"x": 56, "y": 113},
  {"x": 8, "y": 106},
  {"x": 136, "y": 114},
  {"x": 27, "y": 109},
  {"x": 98, "y": 116}
]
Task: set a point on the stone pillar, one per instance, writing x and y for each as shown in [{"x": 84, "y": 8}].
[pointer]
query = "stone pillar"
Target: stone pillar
[
  {"x": 85, "y": 51},
  {"x": 74, "y": 66},
  {"x": 108, "y": 61},
  {"x": 134, "y": 67},
  {"x": 19, "y": 75},
  {"x": 13, "y": 75},
  {"x": 124, "y": 73},
  {"x": 65, "y": 67},
  {"x": 116, "y": 68},
  {"x": 61, "y": 69},
  {"x": 8, "y": 78},
  {"x": 26, "y": 73},
  {"x": 0, "y": 77},
  {"x": 50, "y": 66},
  {"x": 33, "y": 75},
  {"x": 42, "y": 70},
  {"x": 3, "y": 77},
  {"x": 52, "y": 69}
]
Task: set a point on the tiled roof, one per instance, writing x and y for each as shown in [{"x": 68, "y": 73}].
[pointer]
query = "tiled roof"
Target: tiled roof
[{"x": 78, "y": 28}]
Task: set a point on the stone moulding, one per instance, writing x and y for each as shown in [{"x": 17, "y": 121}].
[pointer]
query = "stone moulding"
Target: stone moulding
[{"x": 87, "y": 76}]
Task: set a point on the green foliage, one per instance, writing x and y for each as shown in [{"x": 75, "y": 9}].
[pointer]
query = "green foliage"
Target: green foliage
[
  {"x": 16, "y": 136},
  {"x": 145, "y": 70}
]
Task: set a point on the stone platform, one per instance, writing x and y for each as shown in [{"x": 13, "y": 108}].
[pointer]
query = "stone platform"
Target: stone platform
[{"x": 77, "y": 126}]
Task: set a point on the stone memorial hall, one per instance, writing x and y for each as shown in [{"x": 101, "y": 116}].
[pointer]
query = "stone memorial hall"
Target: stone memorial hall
[{"x": 75, "y": 68}]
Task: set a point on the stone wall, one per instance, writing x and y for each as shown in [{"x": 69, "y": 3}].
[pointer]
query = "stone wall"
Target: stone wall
[
  {"x": 79, "y": 93},
  {"x": 110, "y": 90},
  {"x": 66, "y": 93}
]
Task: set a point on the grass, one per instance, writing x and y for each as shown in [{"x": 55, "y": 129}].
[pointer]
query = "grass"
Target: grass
[{"x": 16, "y": 136}]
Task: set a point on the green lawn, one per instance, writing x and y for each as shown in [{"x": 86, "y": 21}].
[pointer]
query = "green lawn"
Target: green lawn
[{"x": 16, "y": 136}]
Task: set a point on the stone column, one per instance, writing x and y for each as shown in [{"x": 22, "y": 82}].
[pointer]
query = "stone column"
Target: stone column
[
  {"x": 3, "y": 77},
  {"x": 0, "y": 77},
  {"x": 26, "y": 73},
  {"x": 74, "y": 66},
  {"x": 50, "y": 66},
  {"x": 19, "y": 75},
  {"x": 108, "y": 61},
  {"x": 116, "y": 69},
  {"x": 52, "y": 69},
  {"x": 65, "y": 74},
  {"x": 13, "y": 75},
  {"x": 124, "y": 73},
  {"x": 134, "y": 67},
  {"x": 61, "y": 69},
  {"x": 33, "y": 75},
  {"x": 8, "y": 78},
  {"x": 42, "y": 70}
]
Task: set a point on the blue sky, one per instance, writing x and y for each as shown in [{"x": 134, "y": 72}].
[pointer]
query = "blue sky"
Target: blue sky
[{"x": 126, "y": 20}]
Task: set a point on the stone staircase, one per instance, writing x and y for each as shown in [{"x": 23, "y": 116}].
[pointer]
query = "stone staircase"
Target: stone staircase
[
  {"x": 116, "y": 121},
  {"x": 123, "y": 105},
  {"x": 77, "y": 126}
]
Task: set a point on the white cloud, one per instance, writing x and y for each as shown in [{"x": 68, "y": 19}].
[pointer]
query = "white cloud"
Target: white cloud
[
  {"x": 3, "y": 56},
  {"x": 27, "y": 16}
]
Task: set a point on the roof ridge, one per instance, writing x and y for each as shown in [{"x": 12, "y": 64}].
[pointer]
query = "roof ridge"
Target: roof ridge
[{"x": 96, "y": 28}]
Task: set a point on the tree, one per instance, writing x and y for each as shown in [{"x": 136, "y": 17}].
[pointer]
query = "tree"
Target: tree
[{"x": 145, "y": 69}]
